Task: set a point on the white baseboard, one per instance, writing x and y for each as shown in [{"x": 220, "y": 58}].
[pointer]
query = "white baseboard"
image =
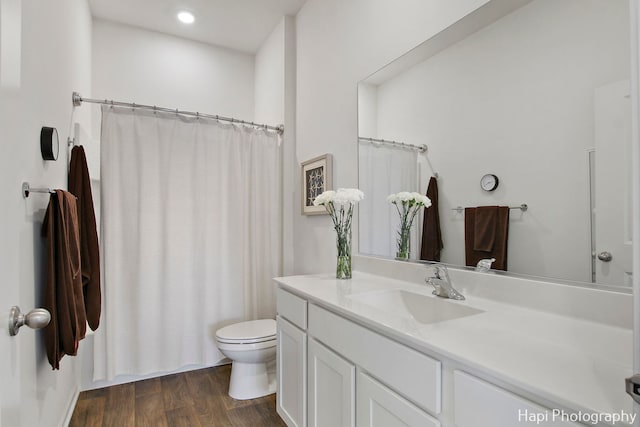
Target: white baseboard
[{"x": 124, "y": 379}]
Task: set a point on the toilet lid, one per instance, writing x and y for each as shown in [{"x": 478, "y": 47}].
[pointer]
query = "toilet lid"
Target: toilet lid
[{"x": 248, "y": 331}]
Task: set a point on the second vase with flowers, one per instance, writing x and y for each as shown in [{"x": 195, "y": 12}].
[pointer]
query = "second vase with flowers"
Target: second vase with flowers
[
  {"x": 340, "y": 204},
  {"x": 408, "y": 204}
]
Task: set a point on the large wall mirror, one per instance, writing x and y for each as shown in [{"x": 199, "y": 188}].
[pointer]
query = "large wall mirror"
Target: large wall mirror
[{"x": 534, "y": 92}]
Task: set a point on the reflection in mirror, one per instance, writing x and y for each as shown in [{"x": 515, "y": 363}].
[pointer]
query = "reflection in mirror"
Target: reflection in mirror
[{"x": 537, "y": 96}]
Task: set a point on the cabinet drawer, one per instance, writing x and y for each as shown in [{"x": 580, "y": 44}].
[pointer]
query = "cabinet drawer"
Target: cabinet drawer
[
  {"x": 480, "y": 404},
  {"x": 292, "y": 308},
  {"x": 379, "y": 406},
  {"x": 410, "y": 373}
]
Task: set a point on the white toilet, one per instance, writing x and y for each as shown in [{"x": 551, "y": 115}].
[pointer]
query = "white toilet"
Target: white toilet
[{"x": 251, "y": 346}]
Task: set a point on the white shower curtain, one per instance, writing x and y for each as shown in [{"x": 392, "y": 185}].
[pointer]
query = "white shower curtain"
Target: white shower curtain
[
  {"x": 384, "y": 170},
  {"x": 191, "y": 237}
]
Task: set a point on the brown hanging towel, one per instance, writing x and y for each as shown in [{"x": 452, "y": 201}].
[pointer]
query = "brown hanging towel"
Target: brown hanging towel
[
  {"x": 431, "y": 233},
  {"x": 63, "y": 287},
  {"x": 486, "y": 233},
  {"x": 80, "y": 186}
]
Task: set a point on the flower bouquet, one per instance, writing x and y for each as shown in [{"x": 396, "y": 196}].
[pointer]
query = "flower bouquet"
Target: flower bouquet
[
  {"x": 340, "y": 204},
  {"x": 408, "y": 204}
]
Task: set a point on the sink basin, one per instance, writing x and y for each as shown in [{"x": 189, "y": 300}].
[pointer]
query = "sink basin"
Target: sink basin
[{"x": 424, "y": 309}]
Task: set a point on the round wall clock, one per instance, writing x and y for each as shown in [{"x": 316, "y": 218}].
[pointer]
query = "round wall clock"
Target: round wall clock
[
  {"x": 489, "y": 182},
  {"x": 49, "y": 144}
]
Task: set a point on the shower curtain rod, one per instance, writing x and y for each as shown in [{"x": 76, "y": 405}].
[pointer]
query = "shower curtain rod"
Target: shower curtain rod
[
  {"x": 77, "y": 100},
  {"x": 421, "y": 148}
]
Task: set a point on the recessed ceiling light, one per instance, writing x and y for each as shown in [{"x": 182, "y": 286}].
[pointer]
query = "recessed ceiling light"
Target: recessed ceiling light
[{"x": 186, "y": 17}]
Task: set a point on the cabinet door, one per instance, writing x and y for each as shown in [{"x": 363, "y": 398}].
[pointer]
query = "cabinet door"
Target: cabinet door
[
  {"x": 331, "y": 388},
  {"x": 481, "y": 404},
  {"x": 378, "y": 406},
  {"x": 292, "y": 378}
]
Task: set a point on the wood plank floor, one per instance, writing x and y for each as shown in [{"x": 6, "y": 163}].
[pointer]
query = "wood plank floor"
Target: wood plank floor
[{"x": 190, "y": 399}]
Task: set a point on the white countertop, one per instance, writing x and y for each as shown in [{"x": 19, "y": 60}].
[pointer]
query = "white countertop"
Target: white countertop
[{"x": 573, "y": 363}]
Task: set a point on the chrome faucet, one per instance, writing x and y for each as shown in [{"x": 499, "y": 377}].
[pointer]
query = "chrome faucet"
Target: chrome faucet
[
  {"x": 484, "y": 265},
  {"x": 442, "y": 284}
]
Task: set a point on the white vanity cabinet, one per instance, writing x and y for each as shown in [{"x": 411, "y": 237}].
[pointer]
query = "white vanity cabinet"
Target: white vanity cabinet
[
  {"x": 336, "y": 372},
  {"x": 292, "y": 359},
  {"x": 333, "y": 372},
  {"x": 389, "y": 374}
]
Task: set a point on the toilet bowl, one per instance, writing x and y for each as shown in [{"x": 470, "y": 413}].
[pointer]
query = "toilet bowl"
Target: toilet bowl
[{"x": 251, "y": 346}]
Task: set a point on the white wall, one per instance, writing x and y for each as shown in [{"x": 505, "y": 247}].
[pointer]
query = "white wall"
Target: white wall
[
  {"x": 135, "y": 65},
  {"x": 55, "y": 50},
  {"x": 339, "y": 43},
  {"x": 275, "y": 104},
  {"x": 518, "y": 102},
  {"x": 269, "y": 78}
]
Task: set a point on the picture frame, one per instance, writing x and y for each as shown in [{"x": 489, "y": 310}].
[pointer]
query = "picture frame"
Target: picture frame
[{"x": 317, "y": 177}]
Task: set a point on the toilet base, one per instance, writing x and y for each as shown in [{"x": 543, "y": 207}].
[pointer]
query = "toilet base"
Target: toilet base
[{"x": 250, "y": 381}]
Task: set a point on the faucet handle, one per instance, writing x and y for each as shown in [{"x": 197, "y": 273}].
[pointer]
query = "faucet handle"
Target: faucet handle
[
  {"x": 442, "y": 273},
  {"x": 438, "y": 288},
  {"x": 485, "y": 264}
]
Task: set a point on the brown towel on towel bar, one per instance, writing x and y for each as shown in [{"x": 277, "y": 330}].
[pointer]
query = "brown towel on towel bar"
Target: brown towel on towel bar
[
  {"x": 495, "y": 234},
  {"x": 484, "y": 234},
  {"x": 63, "y": 288},
  {"x": 431, "y": 233},
  {"x": 80, "y": 186}
]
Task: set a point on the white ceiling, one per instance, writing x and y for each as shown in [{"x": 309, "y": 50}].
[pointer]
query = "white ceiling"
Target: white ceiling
[{"x": 237, "y": 24}]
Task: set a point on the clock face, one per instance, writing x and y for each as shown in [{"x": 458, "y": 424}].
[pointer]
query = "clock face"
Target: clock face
[{"x": 489, "y": 182}]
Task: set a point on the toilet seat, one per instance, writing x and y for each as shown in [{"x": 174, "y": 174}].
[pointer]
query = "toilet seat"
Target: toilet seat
[
  {"x": 251, "y": 332},
  {"x": 246, "y": 347}
]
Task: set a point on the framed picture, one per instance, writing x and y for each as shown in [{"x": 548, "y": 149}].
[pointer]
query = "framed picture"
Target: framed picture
[{"x": 316, "y": 178}]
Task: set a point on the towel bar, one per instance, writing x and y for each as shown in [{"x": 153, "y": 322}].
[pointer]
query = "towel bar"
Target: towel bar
[{"x": 523, "y": 207}]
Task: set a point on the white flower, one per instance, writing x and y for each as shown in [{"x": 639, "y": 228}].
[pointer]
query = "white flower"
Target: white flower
[
  {"x": 324, "y": 198},
  {"x": 413, "y": 198},
  {"x": 404, "y": 196},
  {"x": 343, "y": 196},
  {"x": 421, "y": 199},
  {"x": 346, "y": 196}
]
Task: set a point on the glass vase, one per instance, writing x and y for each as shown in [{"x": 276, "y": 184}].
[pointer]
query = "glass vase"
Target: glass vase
[
  {"x": 343, "y": 265},
  {"x": 404, "y": 244}
]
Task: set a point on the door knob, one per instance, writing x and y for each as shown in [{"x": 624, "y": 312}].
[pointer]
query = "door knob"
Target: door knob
[
  {"x": 35, "y": 319},
  {"x": 605, "y": 256}
]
